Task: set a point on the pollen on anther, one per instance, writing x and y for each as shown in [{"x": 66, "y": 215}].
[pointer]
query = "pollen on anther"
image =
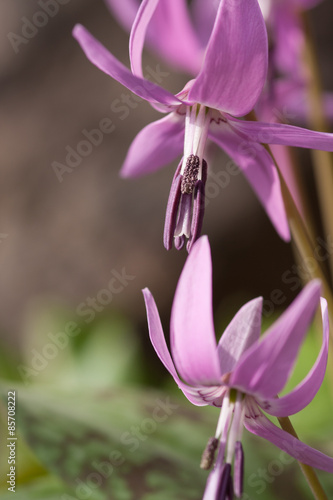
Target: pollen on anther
[
  {"x": 190, "y": 175},
  {"x": 209, "y": 454}
]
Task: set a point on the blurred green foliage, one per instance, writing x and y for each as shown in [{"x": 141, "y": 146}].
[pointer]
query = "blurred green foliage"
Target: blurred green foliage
[{"x": 89, "y": 426}]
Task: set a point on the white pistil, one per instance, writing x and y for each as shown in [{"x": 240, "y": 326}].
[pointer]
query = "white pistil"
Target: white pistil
[
  {"x": 236, "y": 427},
  {"x": 224, "y": 416},
  {"x": 197, "y": 122}
]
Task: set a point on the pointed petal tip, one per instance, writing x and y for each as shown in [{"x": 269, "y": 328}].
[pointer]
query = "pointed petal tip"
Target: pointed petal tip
[{"x": 77, "y": 29}]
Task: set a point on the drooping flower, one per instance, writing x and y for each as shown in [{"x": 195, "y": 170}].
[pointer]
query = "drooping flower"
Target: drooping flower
[
  {"x": 243, "y": 373},
  {"x": 227, "y": 87}
]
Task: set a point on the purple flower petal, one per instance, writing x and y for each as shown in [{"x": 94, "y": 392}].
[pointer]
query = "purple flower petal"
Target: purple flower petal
[
  {"x": 158, "y": 340},
  {"x": 305, "y": 4},
  {"x": 259, "y": 169},
  {"x": 266, "y": 366},
  {"x": 105, "y": 61},
  {"x": 193, "y": 343},
  {"x": 155, "y": 145},
  {"x": 241, "y": 333},
  {"x": 173, "y": 37},
  {"x": 138, "y": 34},
  {"x": 124, "y": 11},
  {"x": 288, "y": 40},
  {"x": 204, "y": 14},
  {"x": 261, "y": 426},
  {"x": 170, "y": 33},
  {"x": 235, "y": 65},
  {"x": 219, "y": 478},
  {"x": 303, "y": 394},
  {"x": 286, "y": 135}
]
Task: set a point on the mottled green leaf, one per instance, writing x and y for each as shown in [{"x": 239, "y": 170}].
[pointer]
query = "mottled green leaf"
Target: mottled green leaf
[{"x": 118, "y": 444}]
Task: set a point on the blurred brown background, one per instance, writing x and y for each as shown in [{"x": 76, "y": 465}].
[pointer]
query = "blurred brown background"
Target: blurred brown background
[{"x": 61, "y": 240}]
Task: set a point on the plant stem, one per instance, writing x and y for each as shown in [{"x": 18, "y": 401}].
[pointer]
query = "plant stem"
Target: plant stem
[
  {"x": 304, "y": 245},
  {"x": 309, "y": 473},
  {"x": 322, "y": 160}
]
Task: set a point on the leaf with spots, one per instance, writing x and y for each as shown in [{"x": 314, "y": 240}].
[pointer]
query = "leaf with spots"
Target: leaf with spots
[{"x": 120, "y": 444}]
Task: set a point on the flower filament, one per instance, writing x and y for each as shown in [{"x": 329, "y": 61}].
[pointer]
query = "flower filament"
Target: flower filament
[{"x": 230, "y": 451}]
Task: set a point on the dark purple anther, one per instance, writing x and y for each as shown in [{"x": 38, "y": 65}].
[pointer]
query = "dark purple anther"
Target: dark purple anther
[
  {"x": 172, "y": 209},
  {"x": 208, "y": 455},
  {"x": 198, "y": 207},
  {"x": 238, "y": 469},
  {"x": 186, "y": 205},
  {"x": 225, "y": 482},
  {"x": 230, "y": 490}
]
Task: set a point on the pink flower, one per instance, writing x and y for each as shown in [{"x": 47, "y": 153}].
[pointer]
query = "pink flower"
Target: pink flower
[
  {"x": 243, "y": 373},
  {"x": 227, "y": 87}
]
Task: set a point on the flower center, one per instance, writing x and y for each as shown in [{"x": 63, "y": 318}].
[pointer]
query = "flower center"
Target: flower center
[
  {"x": 228, "y": 439},
  {"x": 186, "y": 203}
]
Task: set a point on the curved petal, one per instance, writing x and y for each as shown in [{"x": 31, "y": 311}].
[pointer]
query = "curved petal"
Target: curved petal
[
  {"x": 261, "y": 426},
  {"x": 155, "y": 146},
  {"x": 124, "y": 11},
  {"x": 138, "y": 34},
  {"x": 235, "y": 65},
  {"x": 285, "y": 135},
  {"x": 158, "y": 340},
  {"x": 193, "y": 343},
  {"x": 303, "y": 394},
  {"x": 173, "y": 37},
  {"x": 241, "y": 333},
  {"x": 259, "y": 169},
  {"x": 266, "y": 366},
  {"x": 105, "y": 61}
]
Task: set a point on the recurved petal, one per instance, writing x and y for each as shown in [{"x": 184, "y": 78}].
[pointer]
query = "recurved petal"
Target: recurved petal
[
  {"x": 285, "y": 135},
  {"x": 235, "y": 64},
  {"x": 138, "y": 34},
  {"x": 193, "y": 343},
  {"x": 266, "y": 366},
  {"x": 158, "y": 340},
  {"x": 259, "y": 169},
  {"x": 106, "y": 62},
  {"x": 303, "y": 394},
  {"x": 241, "y": 333},
  {"x": 261, "y": 426},
  {"x": 155, "y": 145}
]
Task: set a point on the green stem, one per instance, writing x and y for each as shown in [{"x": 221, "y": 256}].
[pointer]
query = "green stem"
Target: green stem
[
  {"x": 304, "y": 245},
  {"x": 309, "y": 473},
  {"x": 322, "y": 160}
]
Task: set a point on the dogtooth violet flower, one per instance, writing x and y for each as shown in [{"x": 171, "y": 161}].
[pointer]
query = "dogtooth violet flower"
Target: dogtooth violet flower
[
  {"x": 242, "y": 374},
  {"x": 227, "y": 87}
]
